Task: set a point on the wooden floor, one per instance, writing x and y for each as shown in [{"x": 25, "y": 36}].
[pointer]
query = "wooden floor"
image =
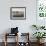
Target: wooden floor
[{"x": 13, "y": 44}]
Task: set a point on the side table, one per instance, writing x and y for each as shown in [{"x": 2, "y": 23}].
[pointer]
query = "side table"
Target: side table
[{"x": 8, "y": 34}]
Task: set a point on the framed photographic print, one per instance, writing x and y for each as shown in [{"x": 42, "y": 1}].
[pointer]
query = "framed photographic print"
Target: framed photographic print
[
  {"x": 41, "y": 12},
  {"x": 41, "y": 9},
  {"x": 18, "y": 13}
]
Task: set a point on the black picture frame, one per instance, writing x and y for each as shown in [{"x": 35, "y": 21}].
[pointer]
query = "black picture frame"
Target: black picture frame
[{"x": 18, "y": 13}]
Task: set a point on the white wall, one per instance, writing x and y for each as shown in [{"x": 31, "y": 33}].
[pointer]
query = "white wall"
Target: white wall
[{"x": 24, "y": 25}]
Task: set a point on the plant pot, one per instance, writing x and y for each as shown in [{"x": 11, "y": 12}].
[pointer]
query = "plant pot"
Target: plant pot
[{"x": 40, "y": 40}]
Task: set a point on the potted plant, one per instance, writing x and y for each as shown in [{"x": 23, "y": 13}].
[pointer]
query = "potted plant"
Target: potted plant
[
  {"x": 38, "y": 27},
  {"x": 42, "y": 27},
  {"x": 35, "y": 26},
  {"x": 39, "y": 35}
]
